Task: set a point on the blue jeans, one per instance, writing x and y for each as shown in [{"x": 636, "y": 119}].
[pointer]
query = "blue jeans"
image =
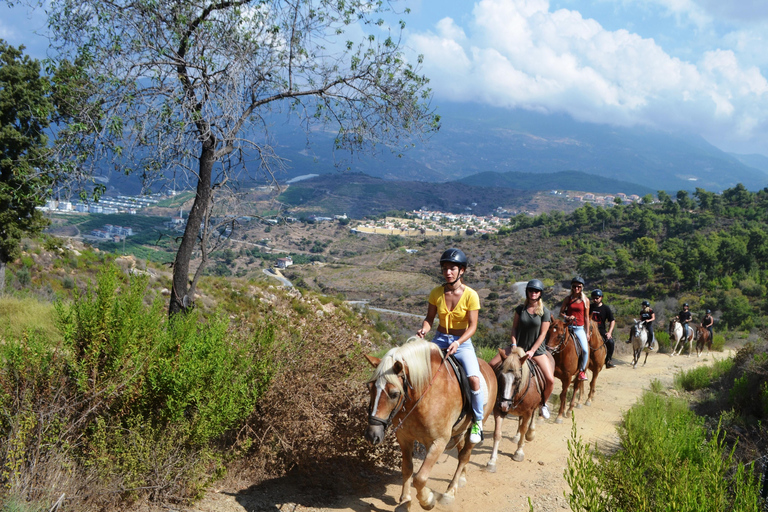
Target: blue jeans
[
  {"x": 468, "y": 359},
  {"x": 581, "y": 335}
]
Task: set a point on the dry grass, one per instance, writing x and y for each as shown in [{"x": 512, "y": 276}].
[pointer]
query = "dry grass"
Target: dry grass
[{"x": 20, "y": 315}]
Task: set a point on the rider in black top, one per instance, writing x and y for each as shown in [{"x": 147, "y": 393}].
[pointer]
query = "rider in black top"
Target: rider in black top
[
  {"x": 648, "y": 316},
  {"x": 707, "y": 322},
  {"x": 685, "y": 316},
  {"x": 602, "y": 314}
]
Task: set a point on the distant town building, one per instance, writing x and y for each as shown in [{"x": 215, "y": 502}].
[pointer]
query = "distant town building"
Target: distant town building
[{"x": 284, "y": 262}]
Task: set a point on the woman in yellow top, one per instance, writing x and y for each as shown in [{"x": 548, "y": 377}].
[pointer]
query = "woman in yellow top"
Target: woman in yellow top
[{"x": 456, "y": 306}]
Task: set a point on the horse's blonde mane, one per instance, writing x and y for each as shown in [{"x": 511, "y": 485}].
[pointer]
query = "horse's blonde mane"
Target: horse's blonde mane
[{"x": 416, "y": 354}]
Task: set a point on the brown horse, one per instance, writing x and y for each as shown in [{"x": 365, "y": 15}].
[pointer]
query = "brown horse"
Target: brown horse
[
  {"x": 414, "y": 388},
  {"x": 519, "y": 394},
  {"x": 562, "y": 345},
  {"x": 702, "y": 338}
]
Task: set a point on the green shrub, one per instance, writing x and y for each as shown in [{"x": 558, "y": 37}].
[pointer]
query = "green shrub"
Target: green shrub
[
  {"x": 662, "y": 338},
  {"x": 666, "y": 463},
  {"x": 703, "y": 376},
  {"x": 718, "y": 342},
  {"x": 156, "y": 394}
]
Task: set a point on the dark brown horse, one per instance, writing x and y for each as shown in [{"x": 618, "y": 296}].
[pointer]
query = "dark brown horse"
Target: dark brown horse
[
  {"x": 562, "y": 345},
  {"x": 702, "y": 338},
  {"x": 519, "y": 394},
  {"x": 416, "y": 390}
]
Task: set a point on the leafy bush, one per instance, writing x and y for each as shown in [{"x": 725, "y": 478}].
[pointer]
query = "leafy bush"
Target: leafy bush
[
  {"x": 138, "y": 402},
  {"x": 703, "y": 376},
  {"x": 666, "y": 463}
]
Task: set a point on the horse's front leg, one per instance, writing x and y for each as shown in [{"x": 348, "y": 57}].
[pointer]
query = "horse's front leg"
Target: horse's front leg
[
  {"x": 498, "y": 420},
  {"x": 525, "y": 421},
  {"x": 592, "y": 385},
  {"x": 405, "y": 496},
  {"x": 578, "y": 388},
  {"x": 424, "y": 494},
  {"x": 566, "y": 382},
  {"x": 459, "y": 476}
]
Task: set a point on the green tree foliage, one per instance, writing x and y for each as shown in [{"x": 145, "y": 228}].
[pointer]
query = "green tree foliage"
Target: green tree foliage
[
  {"x": 25, "y": 110},
  {"x": 191, "y": 87}
]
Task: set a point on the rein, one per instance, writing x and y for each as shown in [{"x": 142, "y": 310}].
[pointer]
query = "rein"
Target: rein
[
  {"x": 403, "y": 401},
  {"x": 442, "y": 363},
  {"x": 511, "y": 401}
]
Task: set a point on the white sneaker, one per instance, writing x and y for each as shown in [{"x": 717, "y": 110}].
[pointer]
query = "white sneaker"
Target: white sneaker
[
  {"x": 544, "y": 412},
  {"x": 476, "y": 432}
]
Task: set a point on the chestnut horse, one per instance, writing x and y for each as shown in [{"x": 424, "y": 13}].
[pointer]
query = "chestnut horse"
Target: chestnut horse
[
  {"x": 702, "y": 338},
  {"x": 414, "y": 388},
  {"x": 562, "y": 345},
  {"x": 519, "y": 393}
]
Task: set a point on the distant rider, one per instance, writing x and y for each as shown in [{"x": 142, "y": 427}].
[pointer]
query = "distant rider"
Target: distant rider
[
  {"x": 603, "y": 315},
  {"x": 457, "y": 307},
  {"x": 529, "y": 328},
  {"x": 685, "y": 316},
  {"x": 648, "y": 316},
  {"x": 707, "y": 322},
  {"x": 575, "y": 311}
]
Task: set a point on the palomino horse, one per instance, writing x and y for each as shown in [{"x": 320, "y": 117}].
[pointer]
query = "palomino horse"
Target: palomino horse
[
  {"x": 561, "y": 344},
  {"x": 702, "y": 338},
  {"x": 638, "y": 335},
  {"x": 676, "y": 333},
  {"x": 414, "y": 388},
  {"x": 519, "y": 394}
]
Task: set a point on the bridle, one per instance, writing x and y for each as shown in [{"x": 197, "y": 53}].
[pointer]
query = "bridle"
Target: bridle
[
  {"x": 402, "y": 401},
  {"x": 512, "y": 405},
  {"x": 562, "y": 342}
]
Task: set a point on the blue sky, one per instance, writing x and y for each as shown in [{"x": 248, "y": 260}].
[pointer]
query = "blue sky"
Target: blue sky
[{"x": 686, "y": 65}]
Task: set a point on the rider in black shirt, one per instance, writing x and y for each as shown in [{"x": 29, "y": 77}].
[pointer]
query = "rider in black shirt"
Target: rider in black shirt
[
  {"x": 602, "y": 314},
  {"x": 707, "y": 322},
  {"x": 648, "y": 316},
  {"x": 685, "y": 316}
]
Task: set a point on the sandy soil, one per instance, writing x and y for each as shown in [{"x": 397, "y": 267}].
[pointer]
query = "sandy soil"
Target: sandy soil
[{"x": 539, "y": 477}]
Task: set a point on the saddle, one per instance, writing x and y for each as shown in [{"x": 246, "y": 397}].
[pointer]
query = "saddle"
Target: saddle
[
  {"x": 466, "y": 398},
  {"x": 579, "y": 351}
]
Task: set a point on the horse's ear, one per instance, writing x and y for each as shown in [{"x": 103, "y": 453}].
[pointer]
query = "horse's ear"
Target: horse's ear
[
  {"x": 503, "y": 354},
  {"x": 373, "y": 360},
  {"x": 398, "y": 367}
]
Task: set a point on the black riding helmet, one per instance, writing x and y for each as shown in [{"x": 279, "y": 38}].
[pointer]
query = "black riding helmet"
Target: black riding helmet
[
  {"x": 597, "y": 292},
  {"x": 686, "y": 305},
  {"x": 709, "y": 312},
  {"x": 456, "y": 256},
  {"x": 579, "y": 280},
  {"x": 646, "y": 303},
  {"x": 535, "y": 284}
]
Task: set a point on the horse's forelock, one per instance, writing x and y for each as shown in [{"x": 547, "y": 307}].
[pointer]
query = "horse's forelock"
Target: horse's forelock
[{"x": 415, "y": 354}]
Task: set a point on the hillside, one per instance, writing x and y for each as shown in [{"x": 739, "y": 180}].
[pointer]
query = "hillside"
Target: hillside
[{"x": 565, "y": 180}]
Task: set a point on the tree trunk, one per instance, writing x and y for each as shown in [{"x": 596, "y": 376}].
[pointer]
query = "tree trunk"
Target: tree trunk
[{"x": 180, "y": 302}]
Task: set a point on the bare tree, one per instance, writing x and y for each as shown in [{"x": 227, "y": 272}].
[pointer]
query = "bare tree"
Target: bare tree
[{"x": 189, "y": 85}]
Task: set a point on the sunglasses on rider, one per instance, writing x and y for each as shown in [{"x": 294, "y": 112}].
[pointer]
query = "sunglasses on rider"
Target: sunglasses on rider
[{"x": 574, "y": 286}]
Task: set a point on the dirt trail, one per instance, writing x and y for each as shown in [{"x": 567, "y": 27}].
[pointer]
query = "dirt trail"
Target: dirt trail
[{"x": 539, "y": 477}]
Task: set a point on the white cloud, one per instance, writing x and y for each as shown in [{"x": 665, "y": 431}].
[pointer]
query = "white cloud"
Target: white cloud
[{"x": 518, "y": 53}]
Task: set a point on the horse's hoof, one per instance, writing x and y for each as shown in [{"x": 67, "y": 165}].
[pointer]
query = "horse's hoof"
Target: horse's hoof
[
  {"x": 559, "y": 420},
  {"x": 516, "y": 439},
  {"x": 588, "y": 403},
  {"x": 490, "y": 468},
  {"x": 519, "y": 456},
  {"x": 404, "y": 507},
  {"x": 430, "y": 502},
  {"x": 530, "y": 435},
  {"x": 446, "y": 500},
  {"x": 462, "y": 481},
  {"x": 578, "y": 406}
]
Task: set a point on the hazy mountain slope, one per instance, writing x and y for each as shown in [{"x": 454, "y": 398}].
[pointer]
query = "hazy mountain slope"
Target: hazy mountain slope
[
  {"x": 477, "y": 139},
  {"x": 566, "y": 180},
  {"x": 359, "y": 195},
  {"x": 759, "y": 162}
]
